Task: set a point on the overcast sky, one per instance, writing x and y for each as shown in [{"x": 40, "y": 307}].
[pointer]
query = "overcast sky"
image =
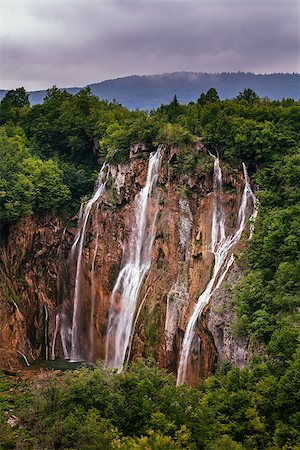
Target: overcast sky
[{"x": 77, "y": 42}]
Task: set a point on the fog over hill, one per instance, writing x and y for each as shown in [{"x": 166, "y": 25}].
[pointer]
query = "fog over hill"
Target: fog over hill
[{"x": 150, "y": 91}]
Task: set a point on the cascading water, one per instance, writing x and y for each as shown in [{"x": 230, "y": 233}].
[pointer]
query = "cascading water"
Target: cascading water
[
  {"x": 65, "y": 335},
  {"x": 16, "y": 306},
  {"x": 93, "y": 295},
  {"x": 57, "y": 321},
  {"x": 254, "y": 200},
  {"x": 221, "y": 247},
  {"x": 136, "y": 263},
  {"x": 46, "y": 332},
  {"x": 218, "y": 219},
  {"x": 24, "y": 357},
  {"x": 78, "y": 247}
]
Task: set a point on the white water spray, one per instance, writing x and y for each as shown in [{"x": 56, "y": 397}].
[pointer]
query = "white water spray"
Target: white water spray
[
  {"x": 46, "y": 332},
  {"x": 137, "y": 260},
  {"x": 57, "y": 322},
  {"x": 16, "y": 306},
  {"x": 65, "y": 336},
  {"x": 93, "y": 297},
  {"x": 24, "y": 357},
  {"x": 221, "y": 247},
  {"x": 254, "y": 201},
  {"x": 85, "y": 210}
]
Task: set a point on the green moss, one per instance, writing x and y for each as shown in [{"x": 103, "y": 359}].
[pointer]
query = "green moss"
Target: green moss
[{"x": 152, "y": 325}]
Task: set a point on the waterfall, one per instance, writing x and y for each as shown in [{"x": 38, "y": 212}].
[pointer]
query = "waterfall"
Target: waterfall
[
  {"x": 254, "y": 201},
  {"x": 93, "y": 295},
  {"x": 65, "y": 335},
  {"x": 77, "y": 246},
  {"x": 24, "y": 357},
  {"x": 57, "y": 320},
  {"x": 221, "y": 247},
  {"x": 136, "y": 263},
  {"x": 16, "y": 306},
  {"x": 46, "y": 332}
]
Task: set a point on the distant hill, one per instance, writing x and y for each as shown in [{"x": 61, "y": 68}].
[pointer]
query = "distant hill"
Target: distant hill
[{"x": 150, "y": 91}]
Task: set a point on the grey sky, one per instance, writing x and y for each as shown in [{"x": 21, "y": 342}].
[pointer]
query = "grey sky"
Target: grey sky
[{"x": 76, "y": 42}]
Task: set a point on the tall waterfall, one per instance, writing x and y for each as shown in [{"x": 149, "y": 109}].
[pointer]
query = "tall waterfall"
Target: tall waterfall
[
  {"x": 221, "y": 246},
  {"x": 77, "y": 249},
  {"x": 93, "y": 298},
  {"x": 136, "y": 263}
]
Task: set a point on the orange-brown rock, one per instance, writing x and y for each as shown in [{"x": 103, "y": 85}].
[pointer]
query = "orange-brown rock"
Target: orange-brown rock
[{"x": 37, "y": 272}]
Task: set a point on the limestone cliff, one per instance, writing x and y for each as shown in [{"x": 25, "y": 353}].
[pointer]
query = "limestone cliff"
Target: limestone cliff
[{"x": 37, "y": 272}]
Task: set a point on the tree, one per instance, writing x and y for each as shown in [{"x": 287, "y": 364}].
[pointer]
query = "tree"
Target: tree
[
  {"x": 16, "y": 98},
  {"x": 56, "y": 95},
  {"x": 174, "y": 102},
  {"x": 12, "y": 105},
  {"x": 248, "y": 95},
  {"x": 27, "y": 183},
  {"x": 174, "y": 134},
  {"x": 210, "y": 96}
]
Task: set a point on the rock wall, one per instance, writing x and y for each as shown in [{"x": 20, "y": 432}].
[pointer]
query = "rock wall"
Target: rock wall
[
  {"x": 29, "y": 281},
  {"x": 37, "y": 273}
]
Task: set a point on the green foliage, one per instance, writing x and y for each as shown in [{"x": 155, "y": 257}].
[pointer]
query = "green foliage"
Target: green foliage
[
  {"x": 80, "y": 131},
  {"x": 14, "y": 106},
  {"x": 268, "y": 297},
  {"x": 17, "y": 98},
  {"x": 174, "y": 134},
  {"x": 143, "y": 409},
  {"x": 210, "y": 96},
  {"x": 27, "y": 183},
  {"x": 192, "y": 160},
  {"x": 248, "y": 95}
]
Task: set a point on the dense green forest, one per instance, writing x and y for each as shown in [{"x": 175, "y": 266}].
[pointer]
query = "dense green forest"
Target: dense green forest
[{"x": 50, "y": 155}]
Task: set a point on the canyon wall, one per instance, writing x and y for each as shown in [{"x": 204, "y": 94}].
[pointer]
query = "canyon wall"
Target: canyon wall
[{"x": 37, "y": 273}]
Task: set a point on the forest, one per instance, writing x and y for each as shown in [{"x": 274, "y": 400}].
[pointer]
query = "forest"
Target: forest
[{"x": 50, "y": 156}]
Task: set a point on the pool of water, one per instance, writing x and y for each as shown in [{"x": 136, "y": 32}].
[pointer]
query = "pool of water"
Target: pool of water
[{"x": 58, "y": 364}]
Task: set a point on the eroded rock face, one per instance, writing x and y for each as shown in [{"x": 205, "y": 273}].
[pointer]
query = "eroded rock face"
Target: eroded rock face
[
  {"x": 220, "y": 319},
  {"x": 29, "y": 284},
  {"x": 37, "y": 273}
]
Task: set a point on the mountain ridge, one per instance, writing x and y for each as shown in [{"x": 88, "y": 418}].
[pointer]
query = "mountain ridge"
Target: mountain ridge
[{"x": 150, "y": 91}]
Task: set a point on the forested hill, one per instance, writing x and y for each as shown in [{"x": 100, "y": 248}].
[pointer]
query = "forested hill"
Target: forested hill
[{"x": 150, "y": 91}]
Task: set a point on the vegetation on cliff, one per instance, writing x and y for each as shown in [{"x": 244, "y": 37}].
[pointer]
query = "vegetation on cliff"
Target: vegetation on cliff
[{"x": 70, "y": 135}]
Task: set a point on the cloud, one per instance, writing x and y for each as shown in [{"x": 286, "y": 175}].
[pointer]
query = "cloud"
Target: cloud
[{"x": 78, "y": 42}]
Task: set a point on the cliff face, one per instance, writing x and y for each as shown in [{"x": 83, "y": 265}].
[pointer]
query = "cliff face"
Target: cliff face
[
  {"x": 29, "y": 287},
  {"x": 38, "y": 274}
]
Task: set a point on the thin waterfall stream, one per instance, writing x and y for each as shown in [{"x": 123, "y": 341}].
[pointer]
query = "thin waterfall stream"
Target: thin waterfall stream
[
  {"x": 57, "y": 323},
  {"x": 78, "y": 247},
  {"x": 93, "y": 298},
  {"x": 221, "y": 246},
  {"x": 46, "y": 332},
  {"x": 136, "y": 263},
  {"x": 24, "y": 357}
]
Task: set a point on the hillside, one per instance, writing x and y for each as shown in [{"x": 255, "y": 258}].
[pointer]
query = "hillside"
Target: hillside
[{"x": 150, "y": 91}]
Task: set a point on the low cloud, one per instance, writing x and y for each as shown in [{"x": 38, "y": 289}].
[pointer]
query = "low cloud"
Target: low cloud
[{"x": 79, "y": 42}]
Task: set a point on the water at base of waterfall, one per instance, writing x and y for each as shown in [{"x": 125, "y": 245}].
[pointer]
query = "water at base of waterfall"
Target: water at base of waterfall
[{"x": 58, "y": 364}]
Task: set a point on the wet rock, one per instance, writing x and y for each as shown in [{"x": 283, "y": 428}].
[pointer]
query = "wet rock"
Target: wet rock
[
  {"x": 36, "y": 270},
  {"x": 220, "y": 319},
  {"x": 12, "y": 421}
]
